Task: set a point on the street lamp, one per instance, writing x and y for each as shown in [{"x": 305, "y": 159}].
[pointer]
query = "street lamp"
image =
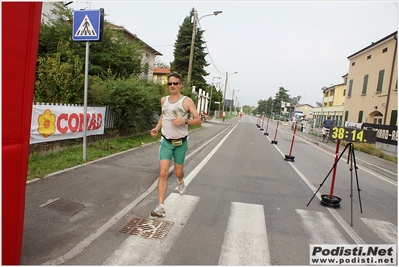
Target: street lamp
[
  {"x": 210, "y": 100},
  {"x": 216, "y": 102},
  {"x": 225, "y": 86},
  {"x": 324, "y": 89},
  {"x": 233, "y": 100},
  {"x": 237, "y": 102},
  {"x": 195, "y": 21},
  {"x": 298, "y": 98}
]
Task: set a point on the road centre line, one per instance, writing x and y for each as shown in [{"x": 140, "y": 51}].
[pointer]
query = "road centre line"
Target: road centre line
[
  {"x": 333, "y": 212},
  {"x": 81, "y": 246},
  {"x": 142, "y": 248},
  {"x": 364, "y": 168},
  {"x": 332, "y": 153},
  {"x": 194, "y": 172}
]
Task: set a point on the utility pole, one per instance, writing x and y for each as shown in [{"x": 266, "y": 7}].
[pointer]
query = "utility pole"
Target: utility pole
[
  {"x": 194, "y": 33},
  {"x": 190, "y": 63},
  {"x": 225, "y": 86}
]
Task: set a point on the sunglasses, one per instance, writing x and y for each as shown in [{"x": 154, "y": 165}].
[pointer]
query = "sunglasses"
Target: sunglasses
[{"x": 174, "y": 83}]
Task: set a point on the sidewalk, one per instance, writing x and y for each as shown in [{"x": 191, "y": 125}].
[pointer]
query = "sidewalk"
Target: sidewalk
[
  {"x": 97, "y": 195},
  {"x": 379, "y": 165},
  {"x": 95, "y": 191}
]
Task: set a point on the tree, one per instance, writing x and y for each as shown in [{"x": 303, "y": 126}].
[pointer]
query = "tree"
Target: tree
[
  {"x": 60, "y": 80},
  {"x": 56, "y": 27},
  {"x": 217, "y": 96},
  {"x": 60, "y": 72},
  {"x": 294, "y": 100},
  {"x": 246, "y": 109},
  {"x": 114, "y": 55},
  {"x": 262, "y": 106},
  {"x": 182, "y": 54},
  {"x": 161, "y": 64},
  {"x": 281, "y": 96},
  {"x": 269, "y": 105}
]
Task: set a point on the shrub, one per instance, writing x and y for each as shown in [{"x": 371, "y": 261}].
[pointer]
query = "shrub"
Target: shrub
[{"x": 136, "y": 101}]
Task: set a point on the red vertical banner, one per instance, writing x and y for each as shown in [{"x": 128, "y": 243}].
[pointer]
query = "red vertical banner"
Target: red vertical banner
[{"x": 20, "y": 40}]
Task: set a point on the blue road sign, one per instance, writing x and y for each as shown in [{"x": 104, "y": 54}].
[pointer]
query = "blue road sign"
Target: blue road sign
[{"x": 86, "y": 25}]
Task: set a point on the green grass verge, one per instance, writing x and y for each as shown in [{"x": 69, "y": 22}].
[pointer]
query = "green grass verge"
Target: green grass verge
[
  {"x": 40, "y": 166},
  {"x": 367, "y": 148},
  {"x": 370, "y": 149}
]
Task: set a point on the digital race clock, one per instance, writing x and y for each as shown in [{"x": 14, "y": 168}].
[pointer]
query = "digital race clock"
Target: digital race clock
[{"x": 353, "y": 134}]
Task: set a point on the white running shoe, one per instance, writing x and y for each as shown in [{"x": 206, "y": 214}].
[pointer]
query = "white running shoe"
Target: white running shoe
[
  {"x": 181, "y": 187},
  {"x": 159, "y": 211}
]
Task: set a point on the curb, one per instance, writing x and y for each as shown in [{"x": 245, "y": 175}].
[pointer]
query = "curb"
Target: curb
[{"x": 372, "y": 167}]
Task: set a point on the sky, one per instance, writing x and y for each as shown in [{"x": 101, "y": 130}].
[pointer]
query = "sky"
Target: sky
[{"x": 299, "y": 45}]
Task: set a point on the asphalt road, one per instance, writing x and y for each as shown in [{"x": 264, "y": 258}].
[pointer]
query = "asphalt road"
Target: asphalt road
[{"x": 244, "y": 204}]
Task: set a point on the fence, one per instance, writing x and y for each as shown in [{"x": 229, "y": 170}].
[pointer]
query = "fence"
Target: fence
[
  {"x": 110, "y": 116},
  {"x": 50, "y": 147}
]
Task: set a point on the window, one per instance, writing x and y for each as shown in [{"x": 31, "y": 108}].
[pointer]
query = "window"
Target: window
[
  {"x": 368, "y": 57},
  {"x": 353, "y": 63},
  {"x": 346, "y": 115},
  {"x": 339, "y": 121},
  {"x": 385, "y": 50},
  {"x": 394, "y": 118},
  {"x": 365, "y": 81},
  {"x": 360, "y": 119},
  {"x": 377, "y": 120},
  {"x": 344, "y": 91},
  {"x": 350, "y": 88},
  {"x": 380, "y": 80}
]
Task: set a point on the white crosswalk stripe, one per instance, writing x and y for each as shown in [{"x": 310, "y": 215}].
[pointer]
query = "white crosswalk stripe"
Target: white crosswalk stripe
[
  {"x": 319, "y": 228},
  {"x": 137, "y": 250},
  {"x": 245, "y": 239},
  {"x": 385, "y": 230}
]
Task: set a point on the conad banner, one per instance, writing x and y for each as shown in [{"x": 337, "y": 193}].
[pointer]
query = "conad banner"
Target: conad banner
[{"x": 51, "y": 123}]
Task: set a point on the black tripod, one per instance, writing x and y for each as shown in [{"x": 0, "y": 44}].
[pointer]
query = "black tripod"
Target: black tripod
[{"x": 333, "y": 201}]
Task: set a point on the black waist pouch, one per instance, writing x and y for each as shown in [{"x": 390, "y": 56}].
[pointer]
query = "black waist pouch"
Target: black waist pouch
[{"x": 176, "y": 142}]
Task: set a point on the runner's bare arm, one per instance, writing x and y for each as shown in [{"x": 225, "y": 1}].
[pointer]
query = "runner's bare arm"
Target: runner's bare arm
[
  {"x": 155, "y": 130},
  {"x": 190, "y": 107}
]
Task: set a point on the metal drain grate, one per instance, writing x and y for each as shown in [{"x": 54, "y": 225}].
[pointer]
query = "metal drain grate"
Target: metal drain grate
[
  {"x": 150, "y": 228},
  {"x": 64, "y": 206}
]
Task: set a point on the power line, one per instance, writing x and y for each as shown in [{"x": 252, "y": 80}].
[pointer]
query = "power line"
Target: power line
[
  {"x": 209, "y": 53},
  {"x": 170, "y": 45}
]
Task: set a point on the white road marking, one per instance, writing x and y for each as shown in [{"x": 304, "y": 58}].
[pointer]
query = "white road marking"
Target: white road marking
[
  {"x": 385, "y": 230},
  {"x": 319, "y": 228},
  {"x": 79, "y": 248},
  {"x": 199, "y": 167},
  {"x": 245, "y": 239},
  {"x": 137, "y": 250},
  {"x": 333, "y": 212}
]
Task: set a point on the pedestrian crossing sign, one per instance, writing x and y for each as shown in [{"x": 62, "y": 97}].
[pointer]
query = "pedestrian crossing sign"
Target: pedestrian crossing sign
[{"x": 87, "y": 25}]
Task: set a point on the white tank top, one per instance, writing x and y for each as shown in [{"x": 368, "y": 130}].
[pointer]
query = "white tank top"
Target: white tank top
[{"x": 169, "y": 110}]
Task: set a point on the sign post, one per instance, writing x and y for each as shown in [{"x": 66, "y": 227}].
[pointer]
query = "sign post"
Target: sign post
[{"x": 87, "y": 26}]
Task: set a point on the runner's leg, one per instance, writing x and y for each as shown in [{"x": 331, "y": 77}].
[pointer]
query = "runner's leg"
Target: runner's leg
[{"x": 163, "y": 179}]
